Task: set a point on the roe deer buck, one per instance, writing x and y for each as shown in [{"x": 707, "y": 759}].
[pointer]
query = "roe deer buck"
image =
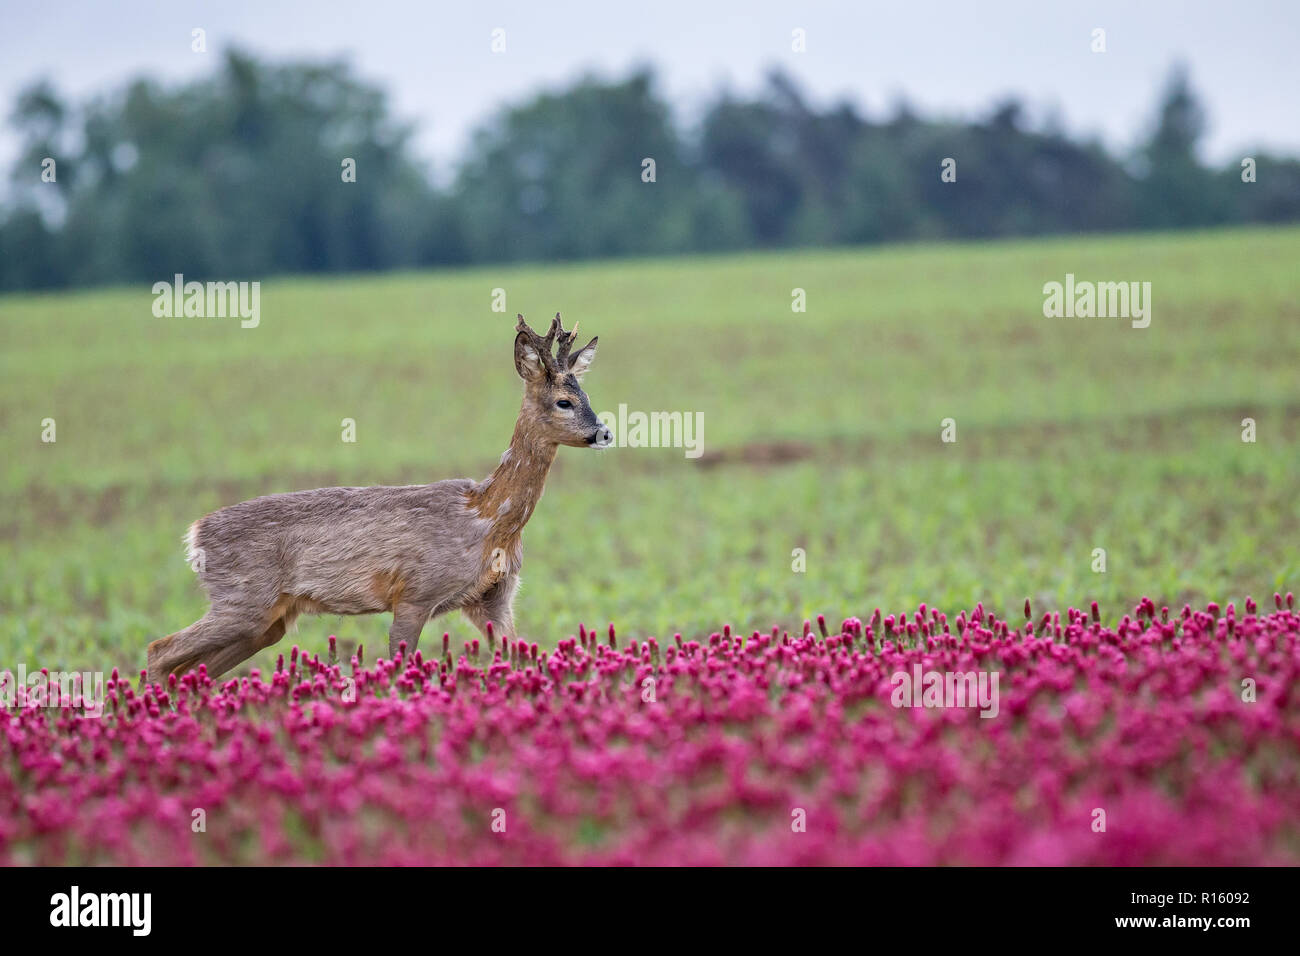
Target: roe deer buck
[{"x": 418, "y": 550}]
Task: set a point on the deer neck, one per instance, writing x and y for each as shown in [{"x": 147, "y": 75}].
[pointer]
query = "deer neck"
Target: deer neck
[{"x": 508, "y": 496}]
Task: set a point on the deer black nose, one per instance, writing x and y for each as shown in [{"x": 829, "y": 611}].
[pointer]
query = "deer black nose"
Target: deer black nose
[{"x": 602, "y": 437}]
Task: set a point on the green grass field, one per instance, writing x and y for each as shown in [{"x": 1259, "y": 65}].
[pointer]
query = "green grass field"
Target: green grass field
[{"x": 822, "y": 432}]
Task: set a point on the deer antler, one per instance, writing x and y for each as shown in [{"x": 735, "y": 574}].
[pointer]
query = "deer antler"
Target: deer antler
[
  {"x": 557, "y": 363},
  {"x": 566, "y": 342},
  {"x": 541, "y": 345}
]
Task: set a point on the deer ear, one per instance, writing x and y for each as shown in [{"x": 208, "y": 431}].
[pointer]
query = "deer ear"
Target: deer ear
[
  {"x": 528, "y": 362},
  {"x": 580, "y": 361}
]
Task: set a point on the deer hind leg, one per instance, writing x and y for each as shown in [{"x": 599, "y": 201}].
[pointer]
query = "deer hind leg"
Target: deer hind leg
[
  {"x": 220, "y": 639},
  {"x": 408, "y": 622},
  {"x": 231, "y": 655}
]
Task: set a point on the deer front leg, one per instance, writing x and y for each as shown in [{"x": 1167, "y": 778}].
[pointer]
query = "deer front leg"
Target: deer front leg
[
  {"x": 497, "y": 606},
  {"x": 408, "y": 622}
]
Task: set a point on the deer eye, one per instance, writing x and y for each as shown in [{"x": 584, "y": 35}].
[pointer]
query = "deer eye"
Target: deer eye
[{"x": 564, "y": 403}]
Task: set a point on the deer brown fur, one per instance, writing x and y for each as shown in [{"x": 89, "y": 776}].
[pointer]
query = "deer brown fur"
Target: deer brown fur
[{"x": 417, "y": 551}]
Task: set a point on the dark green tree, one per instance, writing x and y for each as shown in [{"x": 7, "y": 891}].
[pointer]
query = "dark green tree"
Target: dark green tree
[{"x": 1173, "y": 189}]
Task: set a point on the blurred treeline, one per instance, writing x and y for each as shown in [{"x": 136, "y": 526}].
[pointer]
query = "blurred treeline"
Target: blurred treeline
[{"x": 239, "y": 174}]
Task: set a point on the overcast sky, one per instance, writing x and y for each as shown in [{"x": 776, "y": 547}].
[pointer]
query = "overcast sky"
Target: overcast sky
[{"x": 953, "y": 58}]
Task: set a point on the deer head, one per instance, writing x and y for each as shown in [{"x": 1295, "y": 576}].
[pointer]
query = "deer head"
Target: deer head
[{"x": 555, "y": 406}]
